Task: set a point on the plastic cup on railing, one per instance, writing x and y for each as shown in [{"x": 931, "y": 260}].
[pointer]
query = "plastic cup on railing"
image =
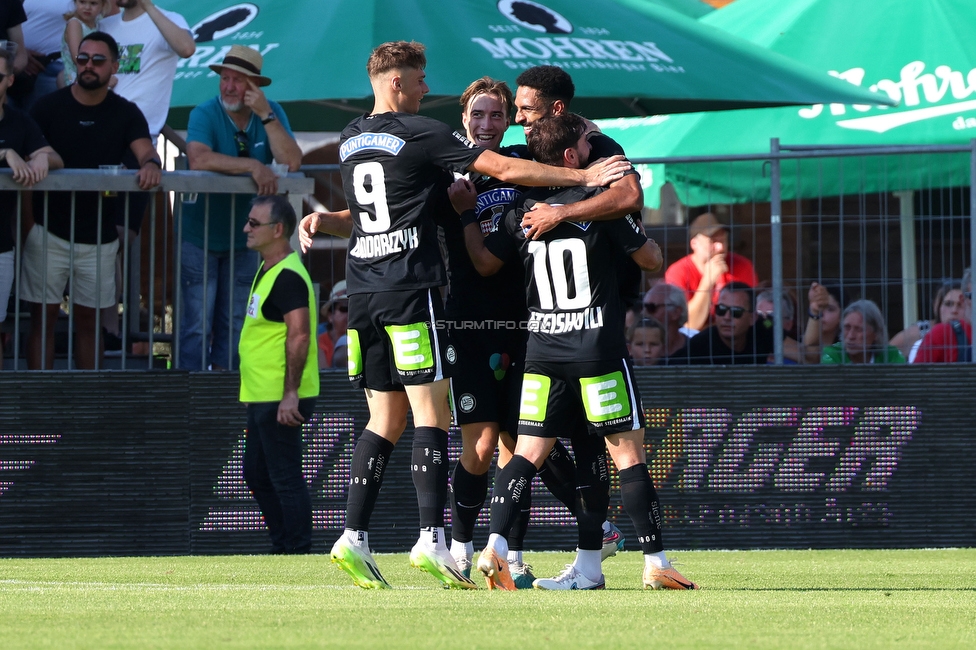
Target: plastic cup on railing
[
  {"x": 114, "y": 171},
  {"x": 280, "y": 169}
]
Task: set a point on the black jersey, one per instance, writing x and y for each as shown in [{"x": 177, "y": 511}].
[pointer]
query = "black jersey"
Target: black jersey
[
  {"x": 472, "y": 296},
  {"x": 575, "y": 311},
  {"x": 390, "y": 164},
  {"x": 628, "y": 273}
]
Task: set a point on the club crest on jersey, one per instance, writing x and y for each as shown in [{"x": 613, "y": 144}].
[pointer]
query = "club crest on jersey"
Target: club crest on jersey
[
  {"x": 582, "y": 225},
  {"x": 374, "y": 141}
]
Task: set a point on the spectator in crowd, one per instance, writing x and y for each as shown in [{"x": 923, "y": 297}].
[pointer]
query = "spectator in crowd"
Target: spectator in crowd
[
  {"x": 823, "y": 319},
  {"x": 949, "y": 304},
  {"x": 710, "y": 266},
  {"x": 951, "y": 340},
  {"x": 238, "y": 132},
  {"x": 83, "y": 21},
  {"x": 633, "y": 314},
  {"x": 12, "y": 17},
  {"x": 666, "y": 303},
  {"x": 333, "y": 343},
  {"x": 88, "y": 126},
  {"x": 736, "y": 337},
  {"x": 765, "y": 306},
  {"x": 24, "y": 150},
  {"x": 645, "y": 342},
  {"x": 279, "y": 376},
  {"x": 42, "y": 34},
  {"x": 864, "y": 338},
  {"x": 151, "y": 42}
]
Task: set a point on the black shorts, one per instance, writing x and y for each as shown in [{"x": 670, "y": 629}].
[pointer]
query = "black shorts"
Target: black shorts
[
  {"x": 487, "y": 376},
  {"x": 556, "y": 397},
  {"x": 392, "y": 340}
]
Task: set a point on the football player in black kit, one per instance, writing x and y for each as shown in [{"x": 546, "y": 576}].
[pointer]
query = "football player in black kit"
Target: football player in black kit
[
  {"x": 390, "y": 161},
  {"x": 486, "y": 314},
  {"x": 576, "y": 366}
]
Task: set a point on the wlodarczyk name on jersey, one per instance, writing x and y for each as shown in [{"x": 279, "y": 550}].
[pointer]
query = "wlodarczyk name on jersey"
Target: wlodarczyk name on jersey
[
  {"x": 568, "y": 321},
  {"x": 370, "y": 246}
]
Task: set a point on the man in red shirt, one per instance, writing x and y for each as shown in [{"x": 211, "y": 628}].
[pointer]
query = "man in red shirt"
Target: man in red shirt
[{"x": 709, "y": 267}]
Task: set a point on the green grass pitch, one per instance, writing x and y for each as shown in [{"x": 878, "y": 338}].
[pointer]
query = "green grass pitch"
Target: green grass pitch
[{"x": 749, "y": 599}]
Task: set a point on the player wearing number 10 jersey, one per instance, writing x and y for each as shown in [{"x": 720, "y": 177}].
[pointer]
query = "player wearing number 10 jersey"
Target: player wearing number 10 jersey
[
  {"x": 576, "y": 365},
  {"x": 390, "y": 161}
]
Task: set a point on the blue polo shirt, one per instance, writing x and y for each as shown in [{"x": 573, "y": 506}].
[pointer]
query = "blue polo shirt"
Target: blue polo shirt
[{"x": 210, "y": 125}]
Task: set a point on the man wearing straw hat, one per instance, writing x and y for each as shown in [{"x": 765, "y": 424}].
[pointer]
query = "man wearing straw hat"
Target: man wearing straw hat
[{"x": 238, "y": 132}]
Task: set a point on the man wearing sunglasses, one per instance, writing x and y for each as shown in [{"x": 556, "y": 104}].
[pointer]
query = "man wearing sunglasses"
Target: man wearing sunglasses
[
  {"x": 24, "y": 150},
  {"x": 737, "y": 337},
  {"x": 88, "y": 126},
  {"x": 240, "y": 131}
]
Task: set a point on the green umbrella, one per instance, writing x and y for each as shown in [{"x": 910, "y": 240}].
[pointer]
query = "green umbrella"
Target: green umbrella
[
  {"x": 919, "y": 53},
  {"x": 625, "y": 61}
]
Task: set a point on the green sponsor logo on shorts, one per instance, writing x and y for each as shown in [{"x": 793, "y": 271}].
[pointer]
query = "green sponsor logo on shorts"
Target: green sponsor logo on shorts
[
  {"x": 605, "y": 398},
  {"x": 411, "y": 346},
  {"x": 535, "y": 397},
  {"x": 354, "y": 353}
]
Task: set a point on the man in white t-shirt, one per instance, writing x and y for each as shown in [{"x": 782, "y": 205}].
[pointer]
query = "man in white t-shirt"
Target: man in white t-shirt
[
  {"x": 151, "y": 41},
  {"x": 43, "y": 30}
]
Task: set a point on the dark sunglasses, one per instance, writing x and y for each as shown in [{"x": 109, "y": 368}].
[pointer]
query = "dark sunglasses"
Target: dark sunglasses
[
  {"x": 243, "y": 144},
  {"x": 344, "y": 308},
  {"x": 3, "y": 76},
  {"x": 722, "y": 310},
  {"x": 97, "y": 60},
  {"x": 254, "y": 223},
  {"x": 653, "y": 306}
]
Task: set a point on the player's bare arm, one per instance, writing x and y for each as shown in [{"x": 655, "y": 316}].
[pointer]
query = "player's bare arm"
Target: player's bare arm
[
  {"x": 463, "y": 196},
  {"x": 648, "y": 256},
  {"x": 338, "y": 224},
  {"x": 533, "y": 174},
  {"x": 623, "y": 197}
]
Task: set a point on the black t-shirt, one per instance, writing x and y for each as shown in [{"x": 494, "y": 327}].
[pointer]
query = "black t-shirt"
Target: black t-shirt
[
  {"x": 628, "y": 273},
  {"x": 575, "y": 312},
  {"x": 288, "y": 293},
  {"x": 707, "y": 347},
  {"x": 85, "y": 137},
  {"x": 11, "y": 15},
  {"x": 390, "y": 165},
  {"x": 472, "y": 296},
  {"x": 20, "y": 133}
]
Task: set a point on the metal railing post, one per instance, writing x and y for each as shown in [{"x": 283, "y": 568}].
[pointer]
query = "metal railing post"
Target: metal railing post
[{"x": 776, "y": 235}]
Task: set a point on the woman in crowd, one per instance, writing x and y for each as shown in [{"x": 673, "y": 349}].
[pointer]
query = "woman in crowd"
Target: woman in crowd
[{"x": 864, "y": 337}]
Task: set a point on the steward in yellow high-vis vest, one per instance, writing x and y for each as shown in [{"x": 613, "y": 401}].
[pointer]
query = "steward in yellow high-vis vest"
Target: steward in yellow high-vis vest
[
  {"x": 263, "y": 342},
  {"x": 279, "y": 376}
]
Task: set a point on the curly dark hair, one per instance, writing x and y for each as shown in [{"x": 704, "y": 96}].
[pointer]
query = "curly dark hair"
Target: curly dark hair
[{"x": 550, "y": 81}]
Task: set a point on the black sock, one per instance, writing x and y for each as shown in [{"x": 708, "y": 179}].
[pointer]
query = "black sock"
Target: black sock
[
  {"x": 558, "y": 474},
  {"x": 469, "y": 492},
  {"x": 369, "y": 461},
  {"x": 520, "y": 527},
  {"x": 512, "y": 488},
  {"x": 642, "y": 506},
  {"x": 593, "y": 494},
  {"x": 428, "y": 466}
]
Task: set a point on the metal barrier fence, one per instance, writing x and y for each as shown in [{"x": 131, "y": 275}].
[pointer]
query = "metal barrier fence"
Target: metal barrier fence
[
  {"x": 152, "y": 288},
  {"x": 891, "y": 224}
]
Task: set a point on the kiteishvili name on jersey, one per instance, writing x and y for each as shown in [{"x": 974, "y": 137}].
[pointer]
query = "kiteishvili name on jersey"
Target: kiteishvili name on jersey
[
  {"x": 370, "y": 246},
  {"x": 567, "y": 321}
]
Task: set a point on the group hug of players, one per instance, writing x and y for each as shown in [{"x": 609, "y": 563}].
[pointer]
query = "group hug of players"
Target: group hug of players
[{"x": 533, "y": 235}]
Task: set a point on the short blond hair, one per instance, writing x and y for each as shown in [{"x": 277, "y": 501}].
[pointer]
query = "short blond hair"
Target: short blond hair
[
  {"x": 488, "y": 86},
  {"x": 396, "y": 55}
]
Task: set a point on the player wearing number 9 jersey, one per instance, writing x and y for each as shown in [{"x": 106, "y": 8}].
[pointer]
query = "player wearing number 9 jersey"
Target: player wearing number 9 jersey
[
  {"x": 576, "y": 364},
  {"x": 390, "y": 161}
]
